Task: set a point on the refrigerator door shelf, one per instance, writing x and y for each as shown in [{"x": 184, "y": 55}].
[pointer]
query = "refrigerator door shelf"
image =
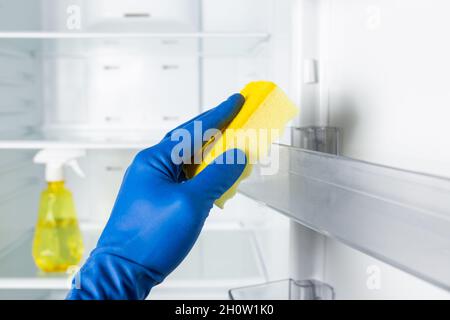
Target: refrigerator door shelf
[{"x": 400, "y": 217}]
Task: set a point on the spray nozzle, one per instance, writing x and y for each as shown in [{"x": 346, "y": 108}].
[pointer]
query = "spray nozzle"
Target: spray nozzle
[
  {"x": 73, "y": 164},
  {"x": 56, "y": 159}
]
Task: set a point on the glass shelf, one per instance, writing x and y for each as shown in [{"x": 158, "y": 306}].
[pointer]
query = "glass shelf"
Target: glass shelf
[
  {"x": 18, "y": 271},
  {"x": 84, "y": 44},
  {"x": 85, "y": 139},
  {"x": 397, "y": 216}
]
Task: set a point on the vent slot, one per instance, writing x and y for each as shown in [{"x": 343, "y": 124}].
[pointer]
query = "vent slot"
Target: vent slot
[{"x": 137, "y": 15}]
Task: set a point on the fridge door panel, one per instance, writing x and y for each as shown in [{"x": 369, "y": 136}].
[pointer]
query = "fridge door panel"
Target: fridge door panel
[
  {"x": 387, "y": 75},
  {"x": 236, "y": 15},
  {"x": 382, "y": 74}
]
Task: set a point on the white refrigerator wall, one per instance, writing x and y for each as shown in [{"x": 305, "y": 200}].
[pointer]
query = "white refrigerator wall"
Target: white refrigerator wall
[{"x": 20, "y": 15}]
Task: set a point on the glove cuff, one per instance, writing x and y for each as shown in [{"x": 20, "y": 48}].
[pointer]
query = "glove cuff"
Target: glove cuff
[{"x": 106, "y": 276}]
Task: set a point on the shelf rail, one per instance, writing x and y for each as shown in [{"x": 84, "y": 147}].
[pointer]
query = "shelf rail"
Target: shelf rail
[{"x": 398, "y": 216}]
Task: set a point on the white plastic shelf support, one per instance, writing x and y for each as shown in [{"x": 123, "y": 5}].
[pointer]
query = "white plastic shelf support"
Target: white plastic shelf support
[{"x": 397, "y": 216}]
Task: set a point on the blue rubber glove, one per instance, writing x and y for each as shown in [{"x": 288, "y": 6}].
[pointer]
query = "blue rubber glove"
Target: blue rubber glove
[{"x": 157, "y": 217}]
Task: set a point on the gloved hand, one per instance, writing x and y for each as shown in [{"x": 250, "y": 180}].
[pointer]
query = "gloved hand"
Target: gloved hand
[{"x": 157, "y": 217}]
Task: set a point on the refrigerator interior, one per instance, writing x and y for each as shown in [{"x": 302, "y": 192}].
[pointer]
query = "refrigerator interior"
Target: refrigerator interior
[
  {"x": 376, "y": 69},
  {"x": 133, "y": 71}
]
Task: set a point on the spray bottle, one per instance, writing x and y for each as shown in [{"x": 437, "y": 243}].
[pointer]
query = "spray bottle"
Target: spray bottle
[{"x": 57, "y": 243}]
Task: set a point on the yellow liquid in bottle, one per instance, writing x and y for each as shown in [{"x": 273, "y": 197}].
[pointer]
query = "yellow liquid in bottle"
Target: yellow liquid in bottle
[{"x": 57, "y": 243}]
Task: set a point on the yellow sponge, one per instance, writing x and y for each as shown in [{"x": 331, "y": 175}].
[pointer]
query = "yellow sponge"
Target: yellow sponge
[{"x": 260, "y": 121}]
